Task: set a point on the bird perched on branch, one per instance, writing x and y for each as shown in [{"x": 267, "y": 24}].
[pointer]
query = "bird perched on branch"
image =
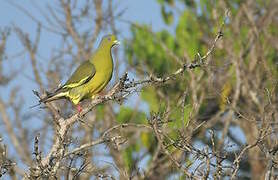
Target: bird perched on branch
[{"x": 90, "y": 77}]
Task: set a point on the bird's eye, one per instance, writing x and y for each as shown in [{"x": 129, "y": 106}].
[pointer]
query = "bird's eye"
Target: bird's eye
[{"x": 109, "y": 38}]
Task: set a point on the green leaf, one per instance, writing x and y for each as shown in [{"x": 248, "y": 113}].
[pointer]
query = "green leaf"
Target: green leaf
[
  {"x": 147, "y": 139},
  {"x": 145, "y": 52},
  {"x": 168, "y": 16},
  {"x": 188, "y": 35},
  {"x": 100, "y": 111},
  {"x": 127, "y": 156},
  {"x": 187, "y": 110},
  {"x": 130, "y": 115},
  {"x": 149, "y": 95}
]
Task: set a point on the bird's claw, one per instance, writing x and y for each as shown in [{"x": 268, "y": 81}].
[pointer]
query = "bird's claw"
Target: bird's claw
[{"x": 79, "y": 110}]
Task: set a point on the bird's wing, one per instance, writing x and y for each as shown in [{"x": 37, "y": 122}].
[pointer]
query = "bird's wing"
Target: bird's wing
[{"x": 84, "y": 73}]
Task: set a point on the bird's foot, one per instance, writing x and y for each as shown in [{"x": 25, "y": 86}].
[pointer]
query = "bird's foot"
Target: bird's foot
[{"x": 79, "y": 108}]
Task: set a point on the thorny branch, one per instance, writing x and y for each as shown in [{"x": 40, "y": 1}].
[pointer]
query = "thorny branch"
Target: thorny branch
[
  {"x": 5, "y": 163},
  {"x": 105, "y": 138}
]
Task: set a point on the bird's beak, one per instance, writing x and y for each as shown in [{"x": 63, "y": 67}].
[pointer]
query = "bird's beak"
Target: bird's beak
[{"x": 116, "y": 42}]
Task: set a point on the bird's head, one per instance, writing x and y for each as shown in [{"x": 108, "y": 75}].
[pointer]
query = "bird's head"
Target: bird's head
[{"x": 109, "y": 41}]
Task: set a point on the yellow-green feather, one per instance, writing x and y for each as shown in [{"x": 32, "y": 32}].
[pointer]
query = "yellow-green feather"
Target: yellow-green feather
[{"x": 82, "y": 75}]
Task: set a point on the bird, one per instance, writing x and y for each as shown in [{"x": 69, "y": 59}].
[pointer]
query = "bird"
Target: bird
[{"x": 91, "y": 77}]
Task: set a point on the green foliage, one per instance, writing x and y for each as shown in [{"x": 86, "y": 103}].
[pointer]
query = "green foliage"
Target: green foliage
[
  {"x": 169, "y": 2},
  {"x": 127, "y": 155},
  {"x": 189, "y": 3},
  {"x": 100, "y": 111},
  {"x": 168, "y": 16},
  {"x": 188, "y": 34},
  {"x": 146, "y": 46},
  {"x": 194, "y": 32},
  {"x": 187, "y": 110},
  {"x": 147, "y": 139},
  {"x": 148, "y": 94},
  {"x": 127, "y": 114}
]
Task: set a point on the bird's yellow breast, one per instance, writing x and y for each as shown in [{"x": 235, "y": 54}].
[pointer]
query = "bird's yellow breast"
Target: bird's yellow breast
[{"x": 97, "y": 83}]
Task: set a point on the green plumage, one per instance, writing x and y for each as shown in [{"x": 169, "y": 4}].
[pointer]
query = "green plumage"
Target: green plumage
[
  {"x": 90, "y": 77},
  {"x": 83, "y": 74}
]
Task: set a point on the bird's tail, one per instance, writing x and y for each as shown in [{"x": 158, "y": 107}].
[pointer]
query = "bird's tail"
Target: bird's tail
[
  {"x": 58, "y": 94},
  {"x": 49, "y": 97}
]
